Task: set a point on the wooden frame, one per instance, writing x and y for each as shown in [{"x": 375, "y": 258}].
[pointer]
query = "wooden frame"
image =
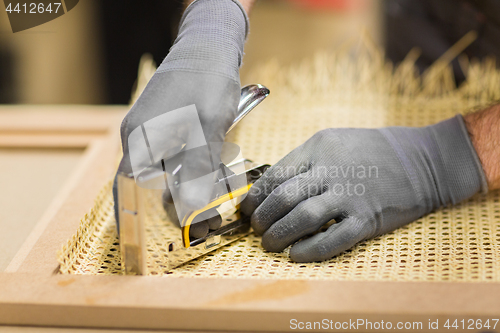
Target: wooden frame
[{"x": 32, "y": 294}]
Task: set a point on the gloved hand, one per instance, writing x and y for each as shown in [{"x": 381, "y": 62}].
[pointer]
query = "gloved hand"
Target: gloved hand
[
  {"x": 371, "y": 181},
  {"x": 189, "y": 103}
]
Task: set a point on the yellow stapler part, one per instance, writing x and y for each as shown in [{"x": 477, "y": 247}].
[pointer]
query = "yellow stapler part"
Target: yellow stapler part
[{"x": 188, "y": 219}]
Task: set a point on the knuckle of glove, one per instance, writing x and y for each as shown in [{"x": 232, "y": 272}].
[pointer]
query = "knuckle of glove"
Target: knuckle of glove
[
  {"x": 326, "y": 136},
  {"x": 124, "y": 127},
  {"x": 309, "y": 215},
  {"x": 131, "y": 121},
  {"x": 321, "y": 135}
]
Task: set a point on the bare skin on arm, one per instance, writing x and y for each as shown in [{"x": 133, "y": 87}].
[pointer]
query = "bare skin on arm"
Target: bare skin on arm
[
  {"x": 247, "y": 4},
  {"x": 484, "y": 130}
]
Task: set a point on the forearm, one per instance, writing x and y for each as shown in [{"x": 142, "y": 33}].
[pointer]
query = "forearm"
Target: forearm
[
  {"x": 484, "y": 131},
  {"x": 211, "y": 39},
  {"x": 247, "y": 4}
]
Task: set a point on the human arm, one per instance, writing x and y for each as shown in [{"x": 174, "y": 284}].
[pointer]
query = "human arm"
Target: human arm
[
  {"x": 484, "y": 131},
  {"x": 190, "y": 102},
  {"x": 370, "y": 181}
]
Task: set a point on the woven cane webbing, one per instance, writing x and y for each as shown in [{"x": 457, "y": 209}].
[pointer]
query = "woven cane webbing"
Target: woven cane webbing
[{"x": 460, "y": 243}]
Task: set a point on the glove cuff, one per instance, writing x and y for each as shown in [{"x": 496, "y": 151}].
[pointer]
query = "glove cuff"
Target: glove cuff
[
  {"x": 462, "y": 174},
  {"x": 211, "y": 38}
]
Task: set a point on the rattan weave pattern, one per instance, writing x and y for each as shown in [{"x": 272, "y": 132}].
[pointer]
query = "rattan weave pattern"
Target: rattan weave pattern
[{"x": 460, "y": 243}]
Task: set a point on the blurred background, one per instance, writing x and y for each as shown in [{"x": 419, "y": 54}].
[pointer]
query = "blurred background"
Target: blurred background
[{"x": 91, "y": 54}]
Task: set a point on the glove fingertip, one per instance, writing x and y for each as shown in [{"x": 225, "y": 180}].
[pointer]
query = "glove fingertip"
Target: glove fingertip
[
  {"x": 199, "y": 230},
  {"x": 300, "y": 256},
  {"x": 256, "y": 225},
  {"x": 271, "y": 244},
  {"x": 315, "y": 248},
  {"x": 302, "y": 253}
]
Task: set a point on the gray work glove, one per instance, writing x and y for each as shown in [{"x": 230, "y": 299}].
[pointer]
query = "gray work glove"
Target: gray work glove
[
  {"x": 371, "y": 181},
  {"x": 200, "y": 73}
]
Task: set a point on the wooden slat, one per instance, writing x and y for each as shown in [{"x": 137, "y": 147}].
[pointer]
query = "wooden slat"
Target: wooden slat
[
  {"x": 95, "y": 128},
  {"x": 82, "y": 119},
  {"x": 43, "y": 140},
  {"x": 232, "y": 304},
  {"x": 96, "y": 169}
]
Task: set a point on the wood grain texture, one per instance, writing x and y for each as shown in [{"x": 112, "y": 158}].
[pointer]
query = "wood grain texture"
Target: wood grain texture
[
  {"x": 180, "y": 303},
  {"x": 29, "y": 178},
  {"x": 81, "y": 119},
  {"x": 92, "y": 128}
]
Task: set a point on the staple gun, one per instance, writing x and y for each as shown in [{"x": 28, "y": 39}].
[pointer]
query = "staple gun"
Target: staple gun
[{"x": 147, "y": 224}]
